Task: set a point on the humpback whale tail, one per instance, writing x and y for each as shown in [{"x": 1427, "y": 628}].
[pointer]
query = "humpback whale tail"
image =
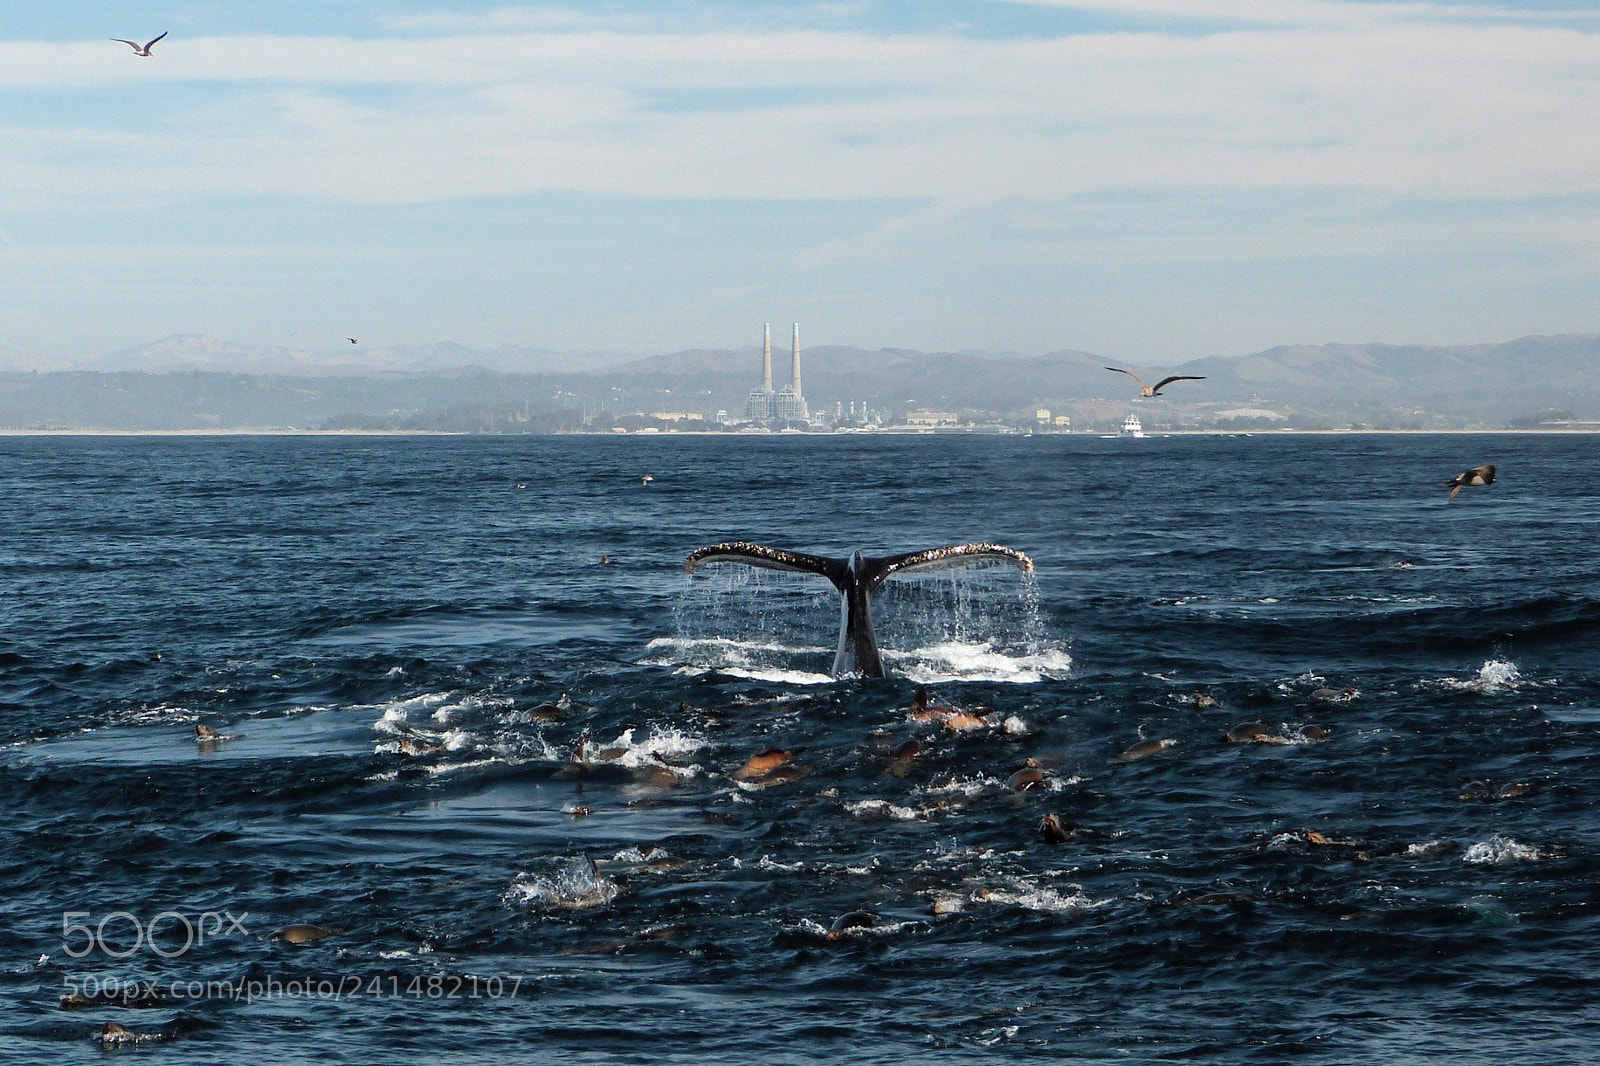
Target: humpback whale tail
[{"x": 857, "y": 578}]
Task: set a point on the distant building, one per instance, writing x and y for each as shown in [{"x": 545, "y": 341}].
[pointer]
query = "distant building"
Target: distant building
[
  {"x": 788, "y": 404},
  {"x": 931, "y": 419},
  {"x": 758, "y": 406}
]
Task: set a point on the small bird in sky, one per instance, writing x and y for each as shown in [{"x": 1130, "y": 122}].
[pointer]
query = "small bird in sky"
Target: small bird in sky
[
  {"x": 1151, "y": 390},
  {"x": 1478, "y": 475},
  {"x": 352, "y": 340},
  {"x": 138, "y": 49}
]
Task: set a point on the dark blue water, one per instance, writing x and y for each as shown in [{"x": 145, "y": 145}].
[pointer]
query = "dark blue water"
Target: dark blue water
[{"x": 508, "y": 776}]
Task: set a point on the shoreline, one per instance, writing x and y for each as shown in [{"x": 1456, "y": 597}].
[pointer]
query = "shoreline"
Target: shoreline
[{"x": 1084, "y": 435}]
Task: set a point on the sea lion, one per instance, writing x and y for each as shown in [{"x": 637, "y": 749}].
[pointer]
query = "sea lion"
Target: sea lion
[
  {"x": 1322, "y": 840},
  {"x": 1247, "y": 733},
  {"x": 1220, "y": 899},
  {"x": 548, "y": 712},
  {"x": 1485, "y": 792},
  {"x": 302, "y": 934},
  {"x": 1202, "y": 702},
  {"x": 1030, "y": 776},
  {"x": 899, "y": 764},
  {"x": 853, "y": 920},
  {"x": 763, "y": 763},
  {"x": 923, "y": 709},
  {"x": 209, "y": 739},
  {"x": 134, "y": 995},
  {"x": 113, "y": 1034},
  {"x": 1053, "y": 831},
  {"x": 1143, "y": 750},
  {"x": 965, "y": 722},
  {"x": 413, "y": 746},
  {"x": 584, "y": 753},
  {"x": 1329, "y": 695}
]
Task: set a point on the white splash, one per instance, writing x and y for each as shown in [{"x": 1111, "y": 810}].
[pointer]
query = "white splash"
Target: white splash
[
  {"x": 962, "y": 661},
  {"x": 1500, "y": 849},
  {"x": 1495, "y": 675},
  {"x": 576, "y": 886},
  {"x": 876, "y": 808}
]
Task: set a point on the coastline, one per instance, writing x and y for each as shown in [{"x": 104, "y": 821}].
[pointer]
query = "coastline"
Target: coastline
[{"x": 829, "y": 434}]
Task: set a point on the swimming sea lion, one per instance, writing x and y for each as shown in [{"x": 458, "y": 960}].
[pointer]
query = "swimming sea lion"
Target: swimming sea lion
[
  {"x": 115, "y": 1035},
  {"x": 1484, "y": 792},
  {"x": 1247, "y": 733},
  {"x": 1053, "y": 831},
  {"x": 1325, "y": 841},
  {"x": 763, "y": 763},
  {"x": 1030, "y": 776},
  {"x": 852, "y": 920},
  {"x": 205, "y": 732},
  {"x": 965, "y": 722},
  {"x": 1220, "y": 899},
  {"x": 302, "y": 934},
  {"x": 134, "y": 995},
  {"x": 1143, "y": 750},
  {"x": 1329, "y": 695},
  {"x": 548, "y": 712},
  {"x": 899, "y": 763},
  {"x": 1202, "y": 702}
]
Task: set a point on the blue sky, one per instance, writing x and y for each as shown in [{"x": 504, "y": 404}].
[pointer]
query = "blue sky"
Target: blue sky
[{"x": 1152, "y": 180}]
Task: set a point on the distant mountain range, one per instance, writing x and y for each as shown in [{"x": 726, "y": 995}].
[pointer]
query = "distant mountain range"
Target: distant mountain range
[
  {"x": 191, "y": 381},
  {"x": 193, "y": 351}
]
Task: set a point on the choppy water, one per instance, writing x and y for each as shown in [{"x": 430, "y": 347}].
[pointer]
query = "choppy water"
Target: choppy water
[{"x": 409, "y": 640}]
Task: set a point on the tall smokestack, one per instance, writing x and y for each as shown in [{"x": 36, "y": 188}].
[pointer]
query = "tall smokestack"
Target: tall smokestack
[
  {"x": 766, "y": 345},
  {"x": 796, "y": 354}
]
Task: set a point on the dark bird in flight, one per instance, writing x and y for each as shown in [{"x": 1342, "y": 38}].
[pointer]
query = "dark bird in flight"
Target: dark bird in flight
[
  {"x": 138, "y": 49},
  {"x": 1478, "y": 475},
  {"x": 1151, "y": 390},
  {"x": 352, "y": 340}
]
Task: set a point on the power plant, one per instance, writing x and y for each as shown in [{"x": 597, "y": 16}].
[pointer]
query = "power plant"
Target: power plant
[{"x": 788, "y": 404}]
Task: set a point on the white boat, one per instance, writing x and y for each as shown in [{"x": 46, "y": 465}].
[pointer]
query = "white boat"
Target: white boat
[{"x": 1132, "y": 427}]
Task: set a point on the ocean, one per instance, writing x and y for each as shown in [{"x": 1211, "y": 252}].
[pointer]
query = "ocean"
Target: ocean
[{"x": 544, "y": 795}]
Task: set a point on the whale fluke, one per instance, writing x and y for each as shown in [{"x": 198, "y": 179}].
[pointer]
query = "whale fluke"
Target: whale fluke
[{"x": 856, "y": 578}]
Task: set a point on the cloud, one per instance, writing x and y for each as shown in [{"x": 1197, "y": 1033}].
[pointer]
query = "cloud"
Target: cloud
[{"x": 1376, "y": 104}]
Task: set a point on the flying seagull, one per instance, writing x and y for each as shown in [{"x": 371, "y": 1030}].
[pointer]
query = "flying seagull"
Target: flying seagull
[
  {"x": 1151, "y": 390},
  {"x": 352, "y": 340},
  {"x": 138, "y": 49},
  {"x": 1478, "y": 475}
]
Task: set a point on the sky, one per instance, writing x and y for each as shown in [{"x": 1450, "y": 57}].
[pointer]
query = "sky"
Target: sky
[{"x": 1150, "y": 180}]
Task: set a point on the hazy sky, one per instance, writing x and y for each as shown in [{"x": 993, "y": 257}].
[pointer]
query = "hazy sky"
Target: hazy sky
[{"x": 1153, "y": 180}]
